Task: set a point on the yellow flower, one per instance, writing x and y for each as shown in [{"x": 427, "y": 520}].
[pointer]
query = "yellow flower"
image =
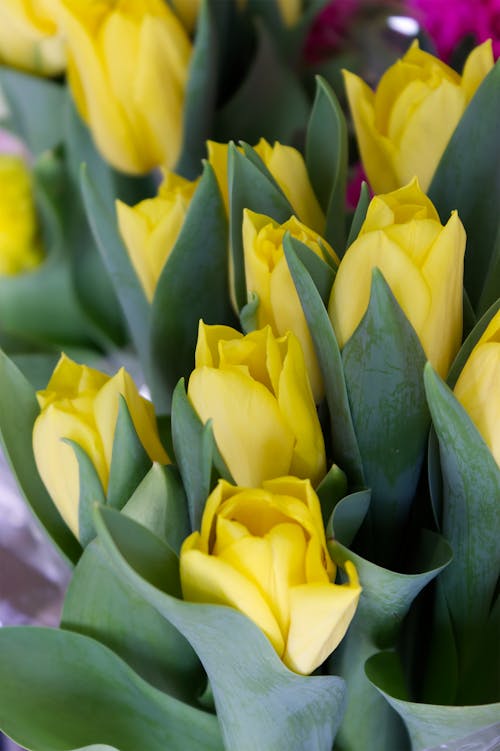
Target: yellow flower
[
  {"x": 478, "y": 387},
  {"x": 187, "y": 10},
  {"x": 267, "y": 274},
  {"x": 81, "y": 404},
  {"x": 128, "y": 68},
  {"x": 150, "y": 229},
  {"x": 20, "y": 245},
  {"x": 256, "y": 390},
  {"x": 29, "y": 37},
  {"x": 404, "y": 126},
  {"x": 288, "y": 168},
  {"x": 263, "y": 552},
  {"x": 422, "y": 262}
]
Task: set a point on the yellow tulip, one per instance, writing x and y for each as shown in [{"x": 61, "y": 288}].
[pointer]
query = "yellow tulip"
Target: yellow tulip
[
  {"x": 128, "y": 68},
  {"x": 81, "y": 404},
  {"x": 29, "y": 37},
  {"x": 263, "y": 552},
  {"x": 288, "y": 168},
  {"x": 256, "y": 391},
  {"x": 150, "y": 229},
  {"x": 478, "y": 387},
  {"x": 404, "y": 126},
  {"x": 268, "y": 275},
  {"x": 422, "y": 262},
  {"x": 187, "y": 10},
  {"x": 20, "y": 244}
]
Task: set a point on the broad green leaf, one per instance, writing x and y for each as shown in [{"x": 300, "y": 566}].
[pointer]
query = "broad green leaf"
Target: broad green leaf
[
  {"x": 260, "y": 703},
  {"x": 383, "y": 365},
  {"x": 344, "y": 444},
  {"x": 35, "y": 108},
  {"x": 159, "y": 503},
  {"x": 468, "y": 179},
  {"x": 101, "y": 604},
  {"x": 429, "y": 725},
  {"x": 359, "y": 215},
  {"x": 91, "y": 491},
  {"x": 193, "y": 285},
  {"x": 63, "y": 690},
  {"x": 250, "y": 189},
  {"x": 326, "y": 159},
  {"x": 348, "y": 516},
  {"x": 127, "y": 286},
  {"x": 129, "y": 460},
  {"x": 320, "y": 272},
  {"x": 471, "y": 524},
  {"x": 384, "y": 602},
  {"x": 331, "y": 490},
  {"x": 199, "y": 106},
  {"x": 18, "y": 412}
]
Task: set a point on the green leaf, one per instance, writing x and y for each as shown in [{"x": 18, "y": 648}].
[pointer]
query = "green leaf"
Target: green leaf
[
  {"x": 320, "y": 272},
  {"x": 63, "y": 690},
  {"x": 491, "y": 288},
  {"x": 116, "y": 259},
  {"x": 101, "y": 604},
  {"x": 18, "y": 412},
  {"x": 429, "y": 725},
  {"x": 159, "y": 503},
  {"x": 249, "y": 188},
  {"x": 193, "y": 285},
  {"x": 129, "y": 460},
  {"x": 344, "y": 443},
  {"x": 468, "y": 179},
  {"x": 348, "y": 516},
  {"x": 326, "y": 159},
  {"x": 199, "y": 105},
  {"x": 384, "y": 602},
  {"x": 470, "y": 343},
  {"x": 359, "y": 215},
  {"x": 471, "y": 524},
  {"x": 260, "y": 703},
  {"x": 331, "y": 489},
  {"x": 91, "y": 491},
  {"x": 383, "y": 365},
  {"x": 35, "y": 108},
  {"x": 249, "y": 313}
]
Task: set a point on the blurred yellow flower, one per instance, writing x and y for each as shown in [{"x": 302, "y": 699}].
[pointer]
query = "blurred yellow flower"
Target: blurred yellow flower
[
  {"x": 263, "y": 552},
  {"x": 81, "y": 404},
  {"x": 150, "y": 228},
  {"x": 29, "y": 37},
  {"x": 256, "y": 391},
  {"x": 20, "y": 244},
  {"x": 478, "y": 387},
  {"x": 404, "y": 126},
  {"x": 128, "y": 68},
  {"x": 422, "y": 262},
  {"x": 267, "y": 274}
]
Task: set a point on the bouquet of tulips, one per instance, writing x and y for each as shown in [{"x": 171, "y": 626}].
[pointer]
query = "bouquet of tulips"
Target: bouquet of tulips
[{"x": 285, "y": 530}]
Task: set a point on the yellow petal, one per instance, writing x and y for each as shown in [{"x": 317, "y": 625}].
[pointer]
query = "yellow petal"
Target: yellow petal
[
  {"x": 259, "y": 255},
  {"x": 218, "y": 156},
  {"x": 134, "y": 229},
  {"x": 207, "y": 345},
  {"x": 477, "y": 66}
]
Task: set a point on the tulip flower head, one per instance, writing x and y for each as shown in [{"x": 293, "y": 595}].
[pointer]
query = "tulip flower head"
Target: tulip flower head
[
  {"x": 478, "y": 386},
  {"x": 127, "y": 69},
  {"x": 81, "y": 404},
  {"x": 422, "y": 262},
  {"x": 267, "y": 275},
  {"x": 263, "y": 552},
  {"x": 256, "y": 391},
  {"x": 30, "y": 38},
  {"x": 20, "y": 244},
  {"x": 150, "y": 229},
  {"x": 404, "y": 126}
]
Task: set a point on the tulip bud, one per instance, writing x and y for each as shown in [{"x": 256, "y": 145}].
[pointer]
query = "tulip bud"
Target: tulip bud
[
  {"x": 256, "y": 391},
  {"x": 81, "y": 404},
  {"x": 288, "y": 168},
  {"x": 267, "y": 274},
  {"x": 20, "y": 244},
  {"x": 421, "y": 261},
  {"x": 150, "y": 228},
  {"x": 127, "y": 69},
  {"x": 478, "y": 387},
  {"x": 29, "y": 37},
  {"x": 263, "y": 551},
  {"x": 404, "y": 126}
]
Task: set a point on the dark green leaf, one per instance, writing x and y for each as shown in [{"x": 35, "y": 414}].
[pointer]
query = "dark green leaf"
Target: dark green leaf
[
  {"x": 359, "y": 215},
  {"x": 18, "y": 411},
  {"x": 193, "y": 285},
  {"x": 61, "y": 690},
  {"x": 470, "y": 343},
  {"x": 129, "y": 460},
  {"x": 331, "y": 489},
  {"x": 348, "y": 516},
  {"x": 320, "y": 272}
]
